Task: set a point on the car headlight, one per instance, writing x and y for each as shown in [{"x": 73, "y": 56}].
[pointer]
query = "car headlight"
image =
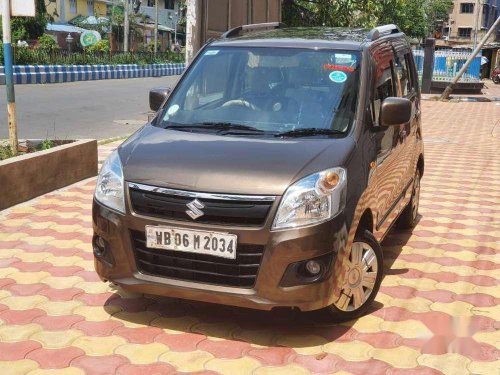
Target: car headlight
[
  {"x": 110, "y": 188},
  {"x": 312, "y": 200}
]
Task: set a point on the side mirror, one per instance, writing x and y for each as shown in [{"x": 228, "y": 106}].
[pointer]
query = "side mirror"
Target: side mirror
[
  {"x": 157, "y": 97},
  {"x": 395, "y": 111}
]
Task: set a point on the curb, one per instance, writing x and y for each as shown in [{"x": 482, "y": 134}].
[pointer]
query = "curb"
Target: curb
[
  {"x": 40, "y": 74},
  {"x": 470, "y": 99},
  {"x": 113, "y": 139}
]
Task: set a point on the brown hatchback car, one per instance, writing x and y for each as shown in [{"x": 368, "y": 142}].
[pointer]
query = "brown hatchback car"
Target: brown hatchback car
[{"x": 270, "y": 173}]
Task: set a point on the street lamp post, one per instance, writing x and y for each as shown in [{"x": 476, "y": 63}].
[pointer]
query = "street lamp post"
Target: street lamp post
[
  {"x": 176, "y": 14},
  {"x": 176, "y": 23},
  {"x": 69, "y": 42}
]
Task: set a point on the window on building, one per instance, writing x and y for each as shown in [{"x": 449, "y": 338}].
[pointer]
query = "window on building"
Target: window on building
[
  {"x": 464, "y": 32},
  {"x": 169, "y": 4},
  {"x": 151, "y": 3},
  {"x": 446, "y": 30},
  {"x": 72, "y": 6},
  {"x": 467, "y": 8},
  {"x": 90, "y": 7}
]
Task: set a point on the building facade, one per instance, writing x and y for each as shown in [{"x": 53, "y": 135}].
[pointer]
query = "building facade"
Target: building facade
[
  {"x": 65, "y": 10},
  {"x": 469, "y": 21}
]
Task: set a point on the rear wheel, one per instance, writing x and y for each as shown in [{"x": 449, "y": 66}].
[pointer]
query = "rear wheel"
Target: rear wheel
[
  {"x": 408, "y": 218},
  {"x": 362, "y": 281}
]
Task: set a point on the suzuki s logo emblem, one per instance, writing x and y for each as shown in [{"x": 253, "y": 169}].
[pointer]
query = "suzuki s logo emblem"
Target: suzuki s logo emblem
[{"x": 195, "y": 211}]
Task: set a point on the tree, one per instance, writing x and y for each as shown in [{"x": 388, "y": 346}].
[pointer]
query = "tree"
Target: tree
[
  {"x": 417, "y": 18},
  {"x": 437, "y": 12},
  {"x": 25, "y": 28}
]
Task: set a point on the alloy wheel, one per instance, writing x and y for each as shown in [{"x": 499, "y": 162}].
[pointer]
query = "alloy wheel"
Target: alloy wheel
[{"x": 360, "y": 279}]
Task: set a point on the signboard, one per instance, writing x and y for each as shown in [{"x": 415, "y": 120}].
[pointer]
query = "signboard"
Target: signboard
[
  {"x": 89, "y": 38},
  {"x": 25, "y": 8}
]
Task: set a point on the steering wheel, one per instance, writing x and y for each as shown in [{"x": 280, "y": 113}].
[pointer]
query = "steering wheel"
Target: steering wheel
[{"x": 240, "y": 102}]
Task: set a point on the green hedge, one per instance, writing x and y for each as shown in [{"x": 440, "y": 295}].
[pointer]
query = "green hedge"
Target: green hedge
[{"x": 40, "y": 56}]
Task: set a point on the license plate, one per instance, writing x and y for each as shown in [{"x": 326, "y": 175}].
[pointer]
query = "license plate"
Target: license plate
[{"x": 191, "y": 241}]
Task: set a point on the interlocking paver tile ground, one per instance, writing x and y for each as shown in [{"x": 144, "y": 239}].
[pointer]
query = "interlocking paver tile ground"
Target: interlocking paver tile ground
[{"x": 437, "y": 311}]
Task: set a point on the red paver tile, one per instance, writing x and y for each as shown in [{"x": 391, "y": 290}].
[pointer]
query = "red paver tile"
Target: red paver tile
[
  {"x": 224, "y": 349},
  {"x": 6, "y": 281},
  {"x": 20, "y": 316},
  {"x": 477, "y": 299},
  {"x": 66, "y": 294},
  {"x": 154, "y": 369},
  {"x": 421, "y": 370},
  {"x": 184, "y": 342},
  {"x": 32, "y": 266},
  {"x": 58, "y": 323},
  {"x": 362, "y": 368},
  {"x": 100, "y": 365},
  {"x": 4, "y": 263},
  {"x": 382, "y": 340},
  {"x": 55, "y": 358},
  {"x": 469, "y": 348},
  {"x": 98, "y": 299},
  {"x": 64, "y": 271},
  {"x": 88, "y": 275},
  {"x": 26, "y": 289},
  {"x": 322, "y": 364},
  {"x": 272, "y": 356},
  {"x": 13, "y": 351},
  {"x": 104, "y": 328},
  {"x": 143, "y": 335}
]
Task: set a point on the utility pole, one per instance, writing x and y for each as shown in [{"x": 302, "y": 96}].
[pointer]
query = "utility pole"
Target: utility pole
[
  {"x": 126, "y": 26},
  {"x": 193, "y": 27},
  {"x": 476, "y": 21},
  {"x": 446, "y": 93},
  {"x": 9, "y": 76},
  {"x": 156, "y": 27}
]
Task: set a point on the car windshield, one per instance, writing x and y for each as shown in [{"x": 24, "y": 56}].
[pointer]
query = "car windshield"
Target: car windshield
[{"x": 267, "y": 91}]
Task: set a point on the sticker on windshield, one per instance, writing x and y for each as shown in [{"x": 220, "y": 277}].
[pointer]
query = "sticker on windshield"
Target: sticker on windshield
[
  {"x": 212, "y": 52},
  {"x": 338, "y": 77}
]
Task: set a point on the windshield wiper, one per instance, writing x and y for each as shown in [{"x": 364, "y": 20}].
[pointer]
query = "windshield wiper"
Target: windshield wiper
[
  {"x": 305, "y": 132},
  {"x": 228, "y": 126}
]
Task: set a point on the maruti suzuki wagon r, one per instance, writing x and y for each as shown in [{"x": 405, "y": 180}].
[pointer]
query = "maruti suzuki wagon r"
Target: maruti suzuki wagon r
[{"x": 270, "y": 173}]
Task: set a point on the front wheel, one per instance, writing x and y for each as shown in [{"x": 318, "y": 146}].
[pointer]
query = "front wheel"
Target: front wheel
[{"x": 361, "y": 284}]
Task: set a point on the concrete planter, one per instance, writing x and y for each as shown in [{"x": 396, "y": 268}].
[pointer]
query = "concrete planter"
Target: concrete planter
[{"x": 28, "y": 176}]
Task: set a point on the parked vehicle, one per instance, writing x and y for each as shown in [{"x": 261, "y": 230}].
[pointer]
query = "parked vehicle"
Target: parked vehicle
[
  {"x": 495, "y": 76},
  {"x": 270, "y": 173}
]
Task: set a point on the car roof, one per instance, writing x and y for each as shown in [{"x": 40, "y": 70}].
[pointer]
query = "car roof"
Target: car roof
[{"x": 303, "y": 37}]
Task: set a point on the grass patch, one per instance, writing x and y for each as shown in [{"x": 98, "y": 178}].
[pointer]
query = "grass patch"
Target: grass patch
[{"x": 6, "y": 150}]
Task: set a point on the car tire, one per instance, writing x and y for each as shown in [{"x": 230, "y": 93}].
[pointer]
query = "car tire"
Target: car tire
[
  {"x": 409, "y": 216},
  {"x": 359, "y": 289}
]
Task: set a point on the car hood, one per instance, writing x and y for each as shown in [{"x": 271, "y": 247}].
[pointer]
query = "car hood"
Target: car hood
[{"x": 226, "y": 164}]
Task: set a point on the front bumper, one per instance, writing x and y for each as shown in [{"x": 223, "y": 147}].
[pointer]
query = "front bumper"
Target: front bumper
[{"x": 281, "y": 249}]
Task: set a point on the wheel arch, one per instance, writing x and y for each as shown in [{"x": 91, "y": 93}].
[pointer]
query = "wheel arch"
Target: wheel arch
[{"x": 365, "y": 222}]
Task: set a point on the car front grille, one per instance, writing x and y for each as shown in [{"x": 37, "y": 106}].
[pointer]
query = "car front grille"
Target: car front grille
[
  {"x": 217, "y": 208},
  {"x": 240, "y": 272}
]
